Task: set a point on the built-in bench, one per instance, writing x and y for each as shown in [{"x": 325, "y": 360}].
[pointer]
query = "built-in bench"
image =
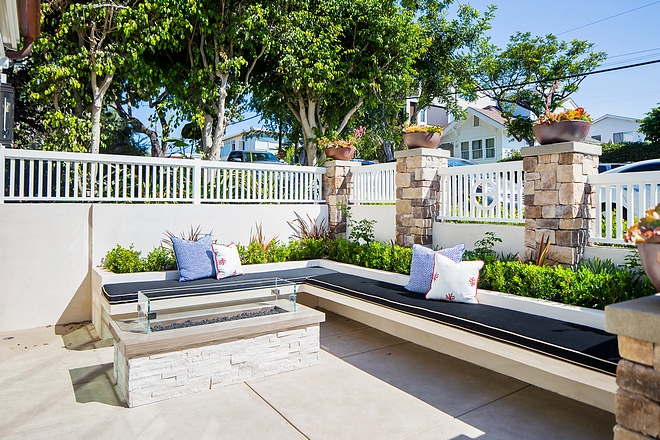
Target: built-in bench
[{"x": 556, "y": 347}]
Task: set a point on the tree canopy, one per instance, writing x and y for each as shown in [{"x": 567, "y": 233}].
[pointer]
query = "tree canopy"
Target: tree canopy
[
  {"x": 522, "y": 75},
  {"x": 650, "y": 125}
]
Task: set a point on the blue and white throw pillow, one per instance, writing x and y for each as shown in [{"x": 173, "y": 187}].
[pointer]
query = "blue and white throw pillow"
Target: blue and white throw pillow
[
  {"x": 195, "y": 259},
  {"x": 423, "y": 260}
]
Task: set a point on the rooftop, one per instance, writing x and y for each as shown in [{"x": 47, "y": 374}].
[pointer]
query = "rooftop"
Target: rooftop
[{"x": 56, "y": 382}]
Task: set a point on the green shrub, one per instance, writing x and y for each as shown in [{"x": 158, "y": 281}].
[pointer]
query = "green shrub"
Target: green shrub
[
  {"x": 254, "y": 253},
  {"x": 307, "y": 249},
  {"x": 159, "y": 259},
  {"x": 122, "y": 260},
  {"x": 277, "y": 252},
  {"x": 629, "y": 152}
]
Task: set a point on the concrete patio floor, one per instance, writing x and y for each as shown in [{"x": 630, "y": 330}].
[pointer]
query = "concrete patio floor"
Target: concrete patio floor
[{"x": 56, "y": 382}]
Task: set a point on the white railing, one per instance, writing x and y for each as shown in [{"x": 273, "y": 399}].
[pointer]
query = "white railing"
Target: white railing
[
  {"x": 488, "y": 192},
  {"x": 374, "y": 183},
  {"x": 621, "y": 199},
  {"x": 44, "y": 176}
]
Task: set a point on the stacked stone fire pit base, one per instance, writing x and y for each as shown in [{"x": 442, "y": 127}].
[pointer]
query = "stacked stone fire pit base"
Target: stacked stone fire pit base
[{"x": 162, "y": 365}]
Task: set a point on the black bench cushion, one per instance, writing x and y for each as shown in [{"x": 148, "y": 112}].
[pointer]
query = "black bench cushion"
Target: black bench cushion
[
  {"x": 578, "y": 344},
  {"x": 119, "y": 293}
]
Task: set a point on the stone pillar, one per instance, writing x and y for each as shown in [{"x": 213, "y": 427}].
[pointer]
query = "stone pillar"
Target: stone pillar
[
  {"x": 559, "y": 204},
  {"x": 637, "y": 401},
  {"x": 336, "y": 192},
  {"x": 417, "y": 189}
]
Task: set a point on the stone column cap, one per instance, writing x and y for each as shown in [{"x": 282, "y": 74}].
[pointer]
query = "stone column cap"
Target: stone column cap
[
  {"x": 562, "y": 147},
  {"x": 435, "y": 152},
  {"x": 638, "y": 318},
  {"x": 341, "y": 163}
]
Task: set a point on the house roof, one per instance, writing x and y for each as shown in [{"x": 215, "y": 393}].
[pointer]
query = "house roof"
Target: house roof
[
  {"x": 608, "y": 116},
  {"x": 491, "y": 112}
]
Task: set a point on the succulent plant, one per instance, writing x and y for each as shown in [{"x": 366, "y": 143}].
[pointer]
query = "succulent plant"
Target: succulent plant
[{"x": 646, "y": 229}]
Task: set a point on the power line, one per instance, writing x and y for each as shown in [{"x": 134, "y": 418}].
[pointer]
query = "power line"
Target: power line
[
  {"x": 607, "y": 18},
  {"x": 612, "y": 69}
]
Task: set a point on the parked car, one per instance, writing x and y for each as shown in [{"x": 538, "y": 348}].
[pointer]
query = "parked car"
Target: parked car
[
  {"x": 652, "y": 190},
  {"x": 253, "y": 157},
  {"x": 458, "y": 162},
  {"x": 602, "y": 167}
]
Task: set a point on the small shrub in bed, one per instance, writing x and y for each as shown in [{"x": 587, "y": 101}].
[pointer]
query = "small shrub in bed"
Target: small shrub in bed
[
  {"x": 307, "y": 249},
  {"x": 159, "y": 259},
  {"x": 122, "y": 260}
]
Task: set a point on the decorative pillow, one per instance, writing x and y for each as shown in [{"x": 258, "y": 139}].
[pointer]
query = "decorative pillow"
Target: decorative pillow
[
  {"x": 421, "y": 268},
  {"x": 453, "y": 281},
  {"x": 227, "y": 261},
  {"x": 194, "y": 258}
]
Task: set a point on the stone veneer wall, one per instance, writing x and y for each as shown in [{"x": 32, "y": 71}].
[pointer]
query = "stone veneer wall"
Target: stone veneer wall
[
  {"x": 163, "y": 376},
  {"x": 417, "y": 190},
  {"x": 637, "y": 402},
  {"x": 559, "y": 204},
  {"x": 336, "y": 192}
]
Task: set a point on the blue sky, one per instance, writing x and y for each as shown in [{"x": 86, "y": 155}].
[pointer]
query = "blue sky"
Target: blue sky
[{"x": 629, "y": 92}]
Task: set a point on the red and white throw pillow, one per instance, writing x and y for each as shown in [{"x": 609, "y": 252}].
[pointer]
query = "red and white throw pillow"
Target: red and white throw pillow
[
  {"x": 456, "y": 282},
  {"x": 227, "y": 261}
]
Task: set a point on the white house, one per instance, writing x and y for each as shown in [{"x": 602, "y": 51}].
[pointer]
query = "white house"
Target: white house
[
  {"x": 616, "y": 129},
  {"x": 481, "y": 136},
  {"x": 246, "y": 141}
]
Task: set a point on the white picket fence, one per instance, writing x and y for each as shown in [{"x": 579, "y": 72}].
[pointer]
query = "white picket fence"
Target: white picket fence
[
  {"x": 621, "y": 199},
  {"x": 374, "y": 183},
  {"x": 43, "y": 176},
  {"x": 489, "y": 192}
]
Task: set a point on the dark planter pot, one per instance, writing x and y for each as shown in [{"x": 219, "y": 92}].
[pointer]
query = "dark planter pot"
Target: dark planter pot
[
  {"x": 649, "y": 254},
  {"x": 564, "y": 131},
  {"x": 422, "y": 140},
  {"x": 343, "y": 153}
]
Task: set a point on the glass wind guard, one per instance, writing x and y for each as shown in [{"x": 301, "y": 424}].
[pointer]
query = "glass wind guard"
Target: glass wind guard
[{"x": 193, "y": 305}]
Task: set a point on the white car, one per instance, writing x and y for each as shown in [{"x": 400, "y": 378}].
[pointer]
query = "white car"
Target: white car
[{"x": 637, "y": 178}]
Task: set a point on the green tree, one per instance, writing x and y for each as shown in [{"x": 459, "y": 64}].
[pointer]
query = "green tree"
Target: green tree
[
  {"x": 210, "y": 74},
  {"x": 328, "y": 59},
  {"x": 522, "y": 75},
  {"x": 650, "y": 125}
]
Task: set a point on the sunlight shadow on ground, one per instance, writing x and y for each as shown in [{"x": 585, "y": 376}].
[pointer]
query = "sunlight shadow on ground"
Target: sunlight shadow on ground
[
  {"x": 81, "y": 336},
  {"x": 96, "y": 384}
]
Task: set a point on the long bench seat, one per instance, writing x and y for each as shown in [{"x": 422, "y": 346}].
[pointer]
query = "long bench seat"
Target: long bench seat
[{"x": 547, "y": 341}]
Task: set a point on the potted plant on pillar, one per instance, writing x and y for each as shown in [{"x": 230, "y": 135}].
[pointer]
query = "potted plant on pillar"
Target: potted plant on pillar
[
  {"x": 566, "y": 126},
  {"x": 422, "y": 136},
  {"x": 646, "y": 235},
  {"x": 341, "y": 149}
]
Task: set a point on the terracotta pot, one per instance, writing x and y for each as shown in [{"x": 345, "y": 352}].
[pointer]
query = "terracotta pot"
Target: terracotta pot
[
  {"x": 563, "y": 131},
  {"x": 649, "y": 253},
  {"x": 421, "y": 140},
  {"x": 343, "y": 153}
]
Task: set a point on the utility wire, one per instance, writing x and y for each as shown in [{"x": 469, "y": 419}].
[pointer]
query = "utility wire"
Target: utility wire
[
  {"x": 571, "y": 76},
  {"x": 608, "y": 18}
]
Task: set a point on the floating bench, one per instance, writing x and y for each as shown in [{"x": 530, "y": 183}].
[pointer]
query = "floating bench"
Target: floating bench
[{"x": 556, "y": 347}]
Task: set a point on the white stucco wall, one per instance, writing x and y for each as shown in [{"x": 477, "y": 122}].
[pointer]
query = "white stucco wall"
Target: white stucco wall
[
  {"x": 385, "y": 216},
  {"x": 144, "y": 225},
  {"x": 44, "y": 264},
  {"x": 47, "y": 250},
  {"x": 450, "y": 234}
]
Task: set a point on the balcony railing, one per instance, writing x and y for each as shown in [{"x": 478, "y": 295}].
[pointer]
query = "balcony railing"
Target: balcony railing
[{"x": 43, "y": 176}]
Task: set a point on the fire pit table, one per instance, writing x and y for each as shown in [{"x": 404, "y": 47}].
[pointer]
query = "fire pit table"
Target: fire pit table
[{"x": 185, "y": 340}]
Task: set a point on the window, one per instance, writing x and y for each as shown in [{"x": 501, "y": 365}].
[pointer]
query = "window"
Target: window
[
  {"x": 596, "y": 136},
  {"x": 490, "y": 148},
  {"x": 230, "y": 145},
  {"x": 465, "y": 150},
  {"x": 477, "y": 152},
  {"x": 625, "y": 136},
  {"x": 476, "y": 121},
  {"x": 421, "y": 116}
]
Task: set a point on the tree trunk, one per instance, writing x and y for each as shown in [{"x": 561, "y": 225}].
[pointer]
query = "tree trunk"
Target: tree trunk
[{"x": 98, "y": 93}]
